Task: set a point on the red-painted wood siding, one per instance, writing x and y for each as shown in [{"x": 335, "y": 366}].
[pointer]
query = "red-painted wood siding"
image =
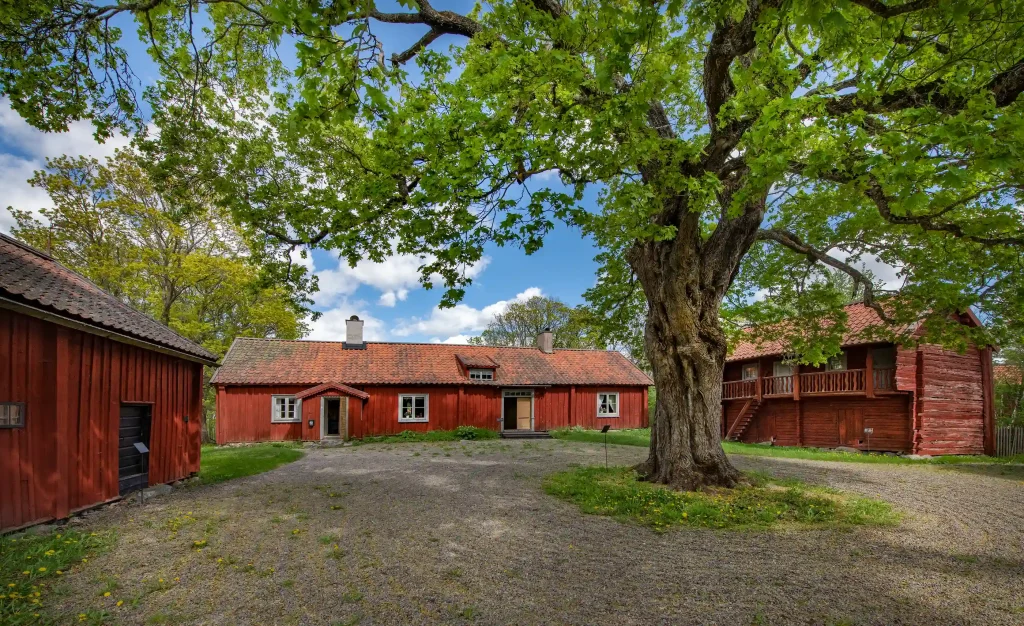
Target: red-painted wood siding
[
  {"x": 73, "y": 384},
  {"x": 631, "y": 408},
  {"x": 950, "y": 402},
  {"x": 243, "y": 414}
]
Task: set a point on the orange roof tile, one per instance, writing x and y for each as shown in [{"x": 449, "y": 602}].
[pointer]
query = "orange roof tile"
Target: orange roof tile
[{"x": 276, "y": 362}]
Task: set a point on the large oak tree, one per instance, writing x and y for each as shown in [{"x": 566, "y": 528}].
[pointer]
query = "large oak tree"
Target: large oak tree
[{"x": 732, "y": 143}]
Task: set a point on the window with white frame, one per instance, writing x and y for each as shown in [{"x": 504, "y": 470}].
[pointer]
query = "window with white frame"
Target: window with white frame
[
  {"x": 782, "y": 368},
  {"x": 608, "y": 404},
  {"x": 481, "y": 374},
  {"x": 413, "y": 408},
  {"x": 285, "y": 410},
  {"x": 12, "y": 414},
  {"x": 749, "y": 371}
]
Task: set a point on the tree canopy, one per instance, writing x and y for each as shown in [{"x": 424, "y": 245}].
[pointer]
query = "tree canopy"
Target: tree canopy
[
  {"x": 521, "y": 322},
  {"x": 730, "y": 142}
]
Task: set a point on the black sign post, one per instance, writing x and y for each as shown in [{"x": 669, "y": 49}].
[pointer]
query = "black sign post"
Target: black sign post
[{"x": 605, "y": 431}]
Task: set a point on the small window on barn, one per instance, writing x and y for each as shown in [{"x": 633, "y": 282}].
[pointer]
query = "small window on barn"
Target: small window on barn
[
  {"x": 883, "y": 358},
  {"x": 477, "y": 374},
  {"x": 12, "y": 414},
  {"x": 413, "y": 408},
  {"x": 749, "y": 371},
  {"x": 837, "y": 362},
  {"x": 285, "y": 410},
  {"x": 608, "y": 405}
]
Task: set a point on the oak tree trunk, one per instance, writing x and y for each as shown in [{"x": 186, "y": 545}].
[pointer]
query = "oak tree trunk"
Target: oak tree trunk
[{"x": 686, "y": 346}]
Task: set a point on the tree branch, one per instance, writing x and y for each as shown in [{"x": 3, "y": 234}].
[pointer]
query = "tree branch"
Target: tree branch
[
  {"x": 792, "y": 241},
  {"x": 879, "y": 8}
]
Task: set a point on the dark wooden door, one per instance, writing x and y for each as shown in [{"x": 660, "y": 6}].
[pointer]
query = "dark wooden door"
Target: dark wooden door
[
  {"x": 133, "y": 463},
  {"x": 851, "y": 426},
  {"x": 511, "y": 413}
]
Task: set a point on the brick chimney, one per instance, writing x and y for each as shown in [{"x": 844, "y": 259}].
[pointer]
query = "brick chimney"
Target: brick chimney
[
  {"x": 546, "y": 341},
  {"x": 354, "y": 333}
]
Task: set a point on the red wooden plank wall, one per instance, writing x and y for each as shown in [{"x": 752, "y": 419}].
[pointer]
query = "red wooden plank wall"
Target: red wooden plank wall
[
  {"x": 632, "y": 410},
  {"x": 73, "y": 384},
  {"x": 243, "y": 414},
  {"x": 950, "y": 402},
  {"x": 551, "y": 408}
]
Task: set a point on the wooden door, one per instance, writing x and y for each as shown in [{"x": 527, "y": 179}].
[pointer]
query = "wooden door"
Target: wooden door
[
  {"x": 523, "y": 413},
  {"x": 132, "y": 459},
  {"x": 851, "y": 427}
]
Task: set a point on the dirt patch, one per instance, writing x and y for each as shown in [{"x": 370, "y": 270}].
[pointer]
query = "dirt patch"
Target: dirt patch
[{"x": 463, "y": 532}]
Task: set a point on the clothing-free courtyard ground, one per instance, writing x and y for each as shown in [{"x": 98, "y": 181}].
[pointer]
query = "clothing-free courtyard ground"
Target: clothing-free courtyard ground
[{"x": 464, "y": 532}]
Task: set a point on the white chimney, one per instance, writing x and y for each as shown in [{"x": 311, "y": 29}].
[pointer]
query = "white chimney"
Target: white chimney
[
  {"x": 546, "y": 341},
  {"x": 354, "y": 332}
]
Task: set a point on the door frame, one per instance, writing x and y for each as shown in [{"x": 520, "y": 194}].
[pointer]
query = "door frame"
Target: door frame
[
  {"x": 518, "y": 393},
  {"x": 342, "y": 424}
]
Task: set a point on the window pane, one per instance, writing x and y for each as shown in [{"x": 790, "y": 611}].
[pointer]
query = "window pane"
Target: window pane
[
  {"x": 3, "y": 415},
  {"x": 612, "y": 404}
]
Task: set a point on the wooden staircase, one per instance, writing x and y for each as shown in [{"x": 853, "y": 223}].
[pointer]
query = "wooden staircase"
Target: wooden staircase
[
  {"x": 746, "y": 416},
  {"x": 525, "y": 434}
]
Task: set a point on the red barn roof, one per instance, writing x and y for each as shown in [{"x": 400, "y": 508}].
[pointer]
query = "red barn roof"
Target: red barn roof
[
  {"x": 34, "y": 280},
  {"x": 281, "y": 362}
]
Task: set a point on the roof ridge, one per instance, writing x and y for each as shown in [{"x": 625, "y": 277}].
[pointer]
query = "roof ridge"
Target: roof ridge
[{"x": 426, "y": 343}]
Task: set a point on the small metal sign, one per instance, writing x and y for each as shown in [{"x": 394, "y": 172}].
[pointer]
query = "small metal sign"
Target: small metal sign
[
  {"x": 869, "y": 430},
  {"x": 141, "y": 447},
  {"x": 605, "y": 429}
]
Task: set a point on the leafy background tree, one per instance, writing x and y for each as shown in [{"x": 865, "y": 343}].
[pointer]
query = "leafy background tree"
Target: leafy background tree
[
  {"x": 730, "y": 142},
  {"x": 521, "y": 322},
  {"x": 167, "y": 252}
]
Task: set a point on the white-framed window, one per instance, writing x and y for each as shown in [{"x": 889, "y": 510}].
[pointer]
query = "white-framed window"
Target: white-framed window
[
  {"x": 782, "y": 368},
  {"x": 285, "y": 410},
  {"x": 12, "y": 414},
  {"x": 749, "y": 371},
  {"x": 413, "y": 408},
  {"x": 836, "y": 363},
  {"x": 481, "y": 374},
  {"x": 608, "y": 404}
]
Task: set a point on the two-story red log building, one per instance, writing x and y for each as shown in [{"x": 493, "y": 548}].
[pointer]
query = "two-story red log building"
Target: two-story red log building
[{"x": 873, "y": 396}]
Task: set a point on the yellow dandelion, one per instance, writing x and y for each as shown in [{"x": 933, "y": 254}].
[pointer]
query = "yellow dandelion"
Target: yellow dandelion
[
  {"x": 26, "y": 573},
  {"x": 60, "y": 573},
  {"x": 120, "y": 602},
  {"x": 42, "y": 569},
  {"x": 106, "y": 594}
]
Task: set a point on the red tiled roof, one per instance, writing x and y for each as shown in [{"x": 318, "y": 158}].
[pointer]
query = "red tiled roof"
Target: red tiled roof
[
  {"x": 31, "y": 278},
  {"x": 860, "y": 320},
  {"x": 477, "y": 361},
  {"x": 345, "y": 389},
  {"x": 280, "y": 362},
  {"x": 1005, "y": 373}
]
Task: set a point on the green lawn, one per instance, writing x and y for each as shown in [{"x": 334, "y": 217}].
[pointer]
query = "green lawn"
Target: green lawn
[
  {"x": 764, "y": 503},
  {"x": 224, "y": 463},
  {"x": 458, "y": 434},
  {"x": 642, "y": 437},
  {"x": 31, "y": 565}
]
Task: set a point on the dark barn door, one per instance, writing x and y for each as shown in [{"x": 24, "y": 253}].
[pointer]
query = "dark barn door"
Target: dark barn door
[
  {"x": 333, "y": 416},
  {"x": 133, "y": 464}
]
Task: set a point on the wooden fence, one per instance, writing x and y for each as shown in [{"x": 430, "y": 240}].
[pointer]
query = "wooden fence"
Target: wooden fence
[{"x": 1009, "y": 440}]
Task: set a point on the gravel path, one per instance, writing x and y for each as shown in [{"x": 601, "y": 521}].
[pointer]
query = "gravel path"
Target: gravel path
[{"x": 464, "y": 533}]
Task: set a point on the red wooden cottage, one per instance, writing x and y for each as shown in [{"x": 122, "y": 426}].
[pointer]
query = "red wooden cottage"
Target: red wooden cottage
[
  {"x": 270, "y": 389},
  {"x": 873, "y": 396},
  {"x": 84, "y": 378}
]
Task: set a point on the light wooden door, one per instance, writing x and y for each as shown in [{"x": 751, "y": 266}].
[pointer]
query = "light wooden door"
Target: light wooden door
[{"x": 523, "y": 413}]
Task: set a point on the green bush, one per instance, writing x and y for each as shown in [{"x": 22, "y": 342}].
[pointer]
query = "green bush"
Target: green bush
[{"x": 460, "y": 433}]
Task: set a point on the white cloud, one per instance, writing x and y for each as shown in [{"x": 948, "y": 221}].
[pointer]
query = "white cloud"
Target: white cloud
[
  {"x": 460, "y": 340},
  {"x": 459, "y": 319},
  {"x": 32, "y": 147},
  {"x": 394, "y": 278},
  {"x": 880, "y": 270}
]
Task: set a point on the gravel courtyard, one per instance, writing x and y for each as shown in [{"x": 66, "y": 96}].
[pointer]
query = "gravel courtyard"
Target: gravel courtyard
[{"x": 464, "y": 533}]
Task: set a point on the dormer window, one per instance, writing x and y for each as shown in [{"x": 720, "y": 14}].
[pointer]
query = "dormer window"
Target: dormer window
[{"x": 481, "y": 374}]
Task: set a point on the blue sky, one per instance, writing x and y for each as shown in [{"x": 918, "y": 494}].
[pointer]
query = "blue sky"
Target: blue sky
[{"x": 387, "y": 295}]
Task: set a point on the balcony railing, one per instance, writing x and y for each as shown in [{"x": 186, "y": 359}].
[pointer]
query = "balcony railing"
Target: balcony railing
[{"x": 813, "y": 383}]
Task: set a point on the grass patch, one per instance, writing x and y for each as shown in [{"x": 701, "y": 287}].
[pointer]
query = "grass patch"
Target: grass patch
[
  {"x": 221, "y": 463},
  {"x": 764, "y": 503},
  {"x": 30, "y": 565},
  {"x": 458, "y": 434},
  {"x": 642, "y": 437}
]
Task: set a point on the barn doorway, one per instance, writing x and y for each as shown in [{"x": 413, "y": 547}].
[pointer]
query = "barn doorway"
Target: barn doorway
[
  {"x": 335, "y": 423},
  {"x": 133, "y": 448},
  {"x": 851, "y": 428},
  {"x": 517, "y": 410}
]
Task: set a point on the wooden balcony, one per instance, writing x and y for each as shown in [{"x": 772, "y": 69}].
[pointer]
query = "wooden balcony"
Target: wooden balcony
[{"x": 841, "y": 382}]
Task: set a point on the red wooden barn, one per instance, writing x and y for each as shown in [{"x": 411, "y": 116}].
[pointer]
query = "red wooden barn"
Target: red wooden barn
[
  {"x": 269, "y": 389},
  {"x": 873, "y": 396},
  {"x": 83, "y": 378}
]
